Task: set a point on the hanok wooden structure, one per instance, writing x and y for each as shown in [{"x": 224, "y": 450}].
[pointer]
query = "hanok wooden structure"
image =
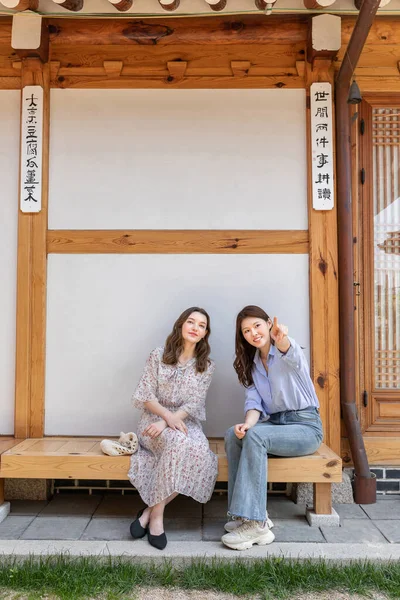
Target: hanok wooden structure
[{"x": 222, "y": 50}]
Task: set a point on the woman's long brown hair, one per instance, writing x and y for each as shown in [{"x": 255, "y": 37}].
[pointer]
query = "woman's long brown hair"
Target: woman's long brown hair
[
  {"x": 245, "y": 352},
  {"x": 174, "y": 343}
]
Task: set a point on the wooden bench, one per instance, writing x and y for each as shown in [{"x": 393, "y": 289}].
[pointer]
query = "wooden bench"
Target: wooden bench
[{"x": 81, "y": 458}]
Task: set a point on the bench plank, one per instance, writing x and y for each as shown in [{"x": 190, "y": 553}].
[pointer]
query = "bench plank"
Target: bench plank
[{"x": 81, "y": 458}]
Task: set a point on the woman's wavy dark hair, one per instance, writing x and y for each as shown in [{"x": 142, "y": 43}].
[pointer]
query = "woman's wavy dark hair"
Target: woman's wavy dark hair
[
  {"x": 245, "y": 352},
  {"x": 174, "y": 343}
]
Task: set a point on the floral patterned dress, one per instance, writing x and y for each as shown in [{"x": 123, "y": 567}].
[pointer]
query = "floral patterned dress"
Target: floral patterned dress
[{"x": 173, "y": 462}]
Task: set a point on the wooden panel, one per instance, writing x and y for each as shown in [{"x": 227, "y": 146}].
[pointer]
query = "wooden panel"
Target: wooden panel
[
  {"x": 177, "y": 242},
  {"x": 323, "y": 466},
  {"x": 324, "y": 292},
  {"x": 389, "y": 410},
  {"x": 31, "y": 286},
  {"x": 380, "y": 450}
]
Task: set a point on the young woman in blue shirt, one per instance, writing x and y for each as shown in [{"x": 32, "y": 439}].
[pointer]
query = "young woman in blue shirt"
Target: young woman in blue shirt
[{"x": 281, "y": 418}]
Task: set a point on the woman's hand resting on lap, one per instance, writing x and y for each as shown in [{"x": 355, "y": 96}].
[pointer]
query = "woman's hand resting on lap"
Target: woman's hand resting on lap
[
  {"x": 240, "y": 430},
  {"x": 175, "y": 422},
  {"x": 155, "y": 429}
]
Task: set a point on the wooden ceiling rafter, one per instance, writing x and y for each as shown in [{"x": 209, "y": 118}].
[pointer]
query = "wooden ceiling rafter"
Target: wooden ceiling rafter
[
  {"x": 121, "y": 5},
  {"x": 20, "y": 5},
  {"x": 72, "y": 5},
  {"x": 169, "y": 5}
]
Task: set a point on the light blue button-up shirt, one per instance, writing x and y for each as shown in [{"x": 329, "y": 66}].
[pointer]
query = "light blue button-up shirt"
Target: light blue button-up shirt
[{"x": 287, "y": 386}]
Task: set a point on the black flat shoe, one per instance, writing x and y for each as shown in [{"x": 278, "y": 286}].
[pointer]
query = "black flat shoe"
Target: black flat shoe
[
  {"x": 158, "y": 541},
  {"x": 137, "y": 531}
]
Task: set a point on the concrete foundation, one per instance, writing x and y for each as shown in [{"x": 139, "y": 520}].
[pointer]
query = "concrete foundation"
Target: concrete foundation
[
  {"x": 315, "y": 520},
  {"x": 342, "y": 493},
  {"x": 27, "y": 489}
]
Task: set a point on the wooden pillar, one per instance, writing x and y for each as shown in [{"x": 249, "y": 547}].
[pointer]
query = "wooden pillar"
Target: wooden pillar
[
  {"x": 31, "y": 284},
  {"x": 324, "y": 310}
]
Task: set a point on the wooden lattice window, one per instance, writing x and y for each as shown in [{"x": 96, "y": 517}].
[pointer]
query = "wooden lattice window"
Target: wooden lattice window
[{"x": 386, "y": 227}]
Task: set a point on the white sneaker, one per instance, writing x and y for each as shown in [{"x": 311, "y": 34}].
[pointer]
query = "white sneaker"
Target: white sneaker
[
  {"x": 235, "y": 523},
  {"x": 248, "y": 534}
]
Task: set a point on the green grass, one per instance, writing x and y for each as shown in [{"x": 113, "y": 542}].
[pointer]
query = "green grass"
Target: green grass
[{"x": 75, "y": 579}]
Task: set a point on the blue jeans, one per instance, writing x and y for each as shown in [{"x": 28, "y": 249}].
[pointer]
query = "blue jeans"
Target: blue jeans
[{"x": 288, "y": 433}]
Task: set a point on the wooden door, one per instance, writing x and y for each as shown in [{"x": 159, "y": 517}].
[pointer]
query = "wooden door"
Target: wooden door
[{"x": 378, "y": 295}]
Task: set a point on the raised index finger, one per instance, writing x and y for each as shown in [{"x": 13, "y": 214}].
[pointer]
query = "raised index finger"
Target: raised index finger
[{"x": 275, "y": 322}]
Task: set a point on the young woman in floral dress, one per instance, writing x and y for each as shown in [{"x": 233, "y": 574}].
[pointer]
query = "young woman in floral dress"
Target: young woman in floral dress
[{"x": 174, "y": 456}]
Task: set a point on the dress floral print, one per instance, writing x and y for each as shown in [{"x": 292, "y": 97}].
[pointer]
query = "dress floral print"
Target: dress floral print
[{"x": 173, "y": 462}]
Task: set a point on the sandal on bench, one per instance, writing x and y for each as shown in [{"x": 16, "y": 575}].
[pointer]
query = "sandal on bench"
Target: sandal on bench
[{"x": 114, "y": 448}]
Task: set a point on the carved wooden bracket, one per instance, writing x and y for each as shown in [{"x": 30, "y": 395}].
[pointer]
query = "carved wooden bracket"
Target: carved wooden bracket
[
  {"x": 177, "y": 68},
  {"x": 301, "y": 67},
  {"x": 113, "y": 68},
  {"x": 240, "y": 68},
  {"x": 30, "y": 36}
]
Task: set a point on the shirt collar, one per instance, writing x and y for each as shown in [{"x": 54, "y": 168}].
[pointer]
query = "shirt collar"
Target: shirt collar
[{"x": 257, "y": 358}]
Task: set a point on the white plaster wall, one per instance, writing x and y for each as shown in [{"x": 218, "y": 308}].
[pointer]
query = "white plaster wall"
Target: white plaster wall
[
  {"x": 178, "y": 159},
  {"x": 9, "y": 149},
  {"x": 105, "y": 313}
]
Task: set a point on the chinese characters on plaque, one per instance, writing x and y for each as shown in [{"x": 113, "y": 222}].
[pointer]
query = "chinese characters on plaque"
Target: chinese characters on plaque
[
  {"x": 322, "y": 146},
  {"x": 31, "y": 149}
]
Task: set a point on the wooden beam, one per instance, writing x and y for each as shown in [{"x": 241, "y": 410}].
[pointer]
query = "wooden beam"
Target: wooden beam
[
  {"x": 31, "y": 286},
  {"x": 324, "y": 312},
  {"x": 246, "y": 29},
  {"x": 177, "y": 242}
]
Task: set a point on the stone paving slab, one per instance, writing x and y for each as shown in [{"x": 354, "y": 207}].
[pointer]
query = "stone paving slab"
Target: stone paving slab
[
  {"x": 183, "y": 506},
  {"x": 355, "y": 532},
  {"x": 108, "y": 529},
  {"x": 186, "y": 530},
  {"x": 56, "y": 528},
  {"x": 350, "y": 511},
  {"x": 119, "y": 506},
  {"x": 390, "y": 529},
  {"x": 388, "y": 509},
  {"x": 284, "y": 508},
  {"x": 71, "y": 505},
  {"x": 27, "y": 507},
  {"x": 213, "y": 529},
  {"x": 13, "y": 527},
  {"x": 297, "y": 531},
  {"x": 216, "y": 507}
]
